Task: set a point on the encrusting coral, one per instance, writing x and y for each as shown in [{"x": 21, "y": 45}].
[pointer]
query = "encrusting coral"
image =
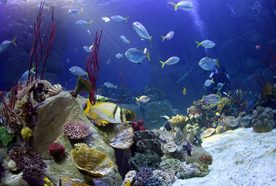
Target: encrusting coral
[
  {"x": 76, "y": 130},
  {"x": 92, "y": 161}
]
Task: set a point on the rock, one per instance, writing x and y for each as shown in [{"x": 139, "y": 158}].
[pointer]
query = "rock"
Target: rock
[
  {"x": 208, "y": 132},
  {"x": 170, "y": 164},
  {"x": 13, "y": 180},
  {"x": 235, "y": 153},
  {"x": 153, "y": 111},
  {"x": 220, "y": 129},
  {"x": 262, "y": 119},
  {"x": 246, "y": 121},
  {"x": 231, "y": 122},
  {"x": 12, "y": 166},
  {"x": 199, "y": 155},
  {"x": 191, "y": 170},
  {"x": 147, "y": 159},
  {"x": 52, "y": 114}
]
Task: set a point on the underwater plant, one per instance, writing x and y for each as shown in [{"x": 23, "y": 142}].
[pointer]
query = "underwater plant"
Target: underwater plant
[
  {"x": 5, "y": 137},
  {"x": 92, "y": 66},
  {"x": 41, "y": 48}
]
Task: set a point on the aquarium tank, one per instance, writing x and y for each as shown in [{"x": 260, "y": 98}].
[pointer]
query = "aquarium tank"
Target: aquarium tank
[{"x": 137, "y": 92}]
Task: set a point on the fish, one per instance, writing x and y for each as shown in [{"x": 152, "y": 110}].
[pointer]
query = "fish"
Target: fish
[
  {"x": 110, "y": 85},
  {"x": 206, "y": 44},
  {"x": 89, "y": 32},
  {"x": 171, "y": 61},
  {"x": 208, "y": 82},
  {"x": 77, "y": 71},
  {"x": 108, "y": 111},
  {"x": 106, "y": 19},
  {"x": 184, "y": 5},
  {"x": 142, "y": 99},
  {"x": 136, "y": 55},
  {"x": 84, "y": 23},
  {"x": 75, "y": 11},
  {"x": 208, "y": 63},
  {"x": 119, "y": 18},
  {"x": 3, "y": 1},
  {"x": 119, "y": 55},
  {"x": 184, "y": 91},
  {"x": 24, "y": 77},
  {"x": 168, "y": 36},
  {"x": 88, "y": 48},
  {"x": 124, "y": 39},
  {"x": 188, "y": 148},
  {"x": 7, "y": 44},
  {"x": 141, "y": 31},
  {"x": 212, "y": 99}
]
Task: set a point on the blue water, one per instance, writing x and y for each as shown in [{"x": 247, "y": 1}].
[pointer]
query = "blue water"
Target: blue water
[{"x": 235, "y": 26}]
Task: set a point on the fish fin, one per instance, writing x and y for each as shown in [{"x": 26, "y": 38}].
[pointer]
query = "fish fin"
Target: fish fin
[
  {"x": 163, "y": 63},
  {"x": 14, "y": 42},
  {"x": 163, "y": 38},
  {"x": 198, "y": 43},
  {"x": 174, "y": 5},
  {"x": 137, "y": 99},
  {"x": 90, "y": 22},
  {"x": 126, "y": 19}
]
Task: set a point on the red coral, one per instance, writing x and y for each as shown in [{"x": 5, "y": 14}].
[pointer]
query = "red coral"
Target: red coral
[
  {"x": 76, "y": 130},
  {"x": 138, "y": 125},
  {"x": 56, "y": 150}
]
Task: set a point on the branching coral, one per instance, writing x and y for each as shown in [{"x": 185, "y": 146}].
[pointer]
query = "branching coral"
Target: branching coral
[
  {"x": 76, "y": 130},
  {"x": 92, "y": 161}
]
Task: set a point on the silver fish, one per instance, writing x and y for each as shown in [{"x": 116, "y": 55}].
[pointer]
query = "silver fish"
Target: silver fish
[
  {"x": 124, "y": 39},
  {"x": 136, "y": 55},
  {"x": 141, "y": 30},
  {"x": 206, "y": 44},
  {"x": 208, "y": 63},
  {"x": 212, "y": 99},
  {"x": 77, "y": 71},
  {"x": 119, "y": 18},
  {"x": 7, "y": 44}
]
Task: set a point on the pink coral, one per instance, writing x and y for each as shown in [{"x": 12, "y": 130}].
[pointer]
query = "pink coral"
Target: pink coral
[{"x": 76, "y": 130}]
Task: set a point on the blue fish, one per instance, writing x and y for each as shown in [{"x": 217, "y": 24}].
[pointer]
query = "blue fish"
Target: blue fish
[
  {"x": 208, "y": 63},
  {"x": 84, "y": 23},
  {"x": 136, "y": 55},
  {"x": 7, "y": 44},
  {"x": 119, "y": 18},
  {"x": 77, "y": 71}
]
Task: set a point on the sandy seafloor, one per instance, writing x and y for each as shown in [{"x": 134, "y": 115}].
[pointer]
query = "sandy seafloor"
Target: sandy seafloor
[{"x": 240, "y": 157}]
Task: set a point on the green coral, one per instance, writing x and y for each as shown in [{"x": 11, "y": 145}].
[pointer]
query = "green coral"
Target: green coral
[{"x": 5, "y": 137}]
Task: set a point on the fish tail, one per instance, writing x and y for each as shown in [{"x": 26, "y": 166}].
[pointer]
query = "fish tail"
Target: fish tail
[
  {"x": 174, "y": 4},
  {"x": 126, "y": 19},
  {"x": 148, "y": 55},
  {"x": 163, "y": 38},
  {"x": 137, "y": 99},
  {"x": 198, "y": 43},
  {"x": 14, "y": 41},
  {"x": 163, "y": 63}
]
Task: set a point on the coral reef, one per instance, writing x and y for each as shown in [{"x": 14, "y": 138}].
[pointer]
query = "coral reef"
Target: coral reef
[
  {"x": 263, "y": 119},
  {"x": 191, "y": 170},
  {"x": 146, "y": 159},
  {"x": 142, "y": 175},
  {"x": 56, "y": 150},
  {"x": 91, "y": 160},
  {"x": 76, "y": 130}
]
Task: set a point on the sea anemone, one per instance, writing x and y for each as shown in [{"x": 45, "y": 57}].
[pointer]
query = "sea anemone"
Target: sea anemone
[
  {"x": 56, "y": 150},
  {"x": 76, "y": 130}
]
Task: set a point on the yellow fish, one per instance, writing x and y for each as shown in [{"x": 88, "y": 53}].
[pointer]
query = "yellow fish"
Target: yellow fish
[{"x": 184, "y": 91}]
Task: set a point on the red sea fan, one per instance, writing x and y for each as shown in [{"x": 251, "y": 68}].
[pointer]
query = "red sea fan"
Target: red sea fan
[{"x": 76, "y": 130}]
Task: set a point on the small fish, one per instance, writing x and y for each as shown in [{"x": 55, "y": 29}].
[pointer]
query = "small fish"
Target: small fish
[
  {"x": 77, "y": 71},
  {"x": 184, "y": 5},
  {"x": 88, "y": 48},
  {"x": 89, "y": 32},
  {"x": 75, "y": 11},
  {"x": 184, "y": 91},
  {"x": 110, "y": 85},
  {"x": 168, "y": 36},
  {"x": 137, "y": 56},
  {"x": 212, "y": 99},
  {"x": 7, "y": 44},
  {"x": 171, "y": 61},
  {"x": 3, "y": 1},
  {"x": 208, "y": 82},
  {"x": 141, "y": 31},
  {"x": 119, "y": 55},
  {"x": 142, "y": 99},
  {"x": 205, "y": 44},
  {"x": 124, "y": 39},
  {"x": 106, "y": 19},
  {"x": 208, "y": 63},
  {"x": 119, "y": 18},
  {"x": 84, "y": 23},
  {"x": 258, "y": 47},
  {"x": 188, "y": 148},
  {"x": 108, "y": 61}
]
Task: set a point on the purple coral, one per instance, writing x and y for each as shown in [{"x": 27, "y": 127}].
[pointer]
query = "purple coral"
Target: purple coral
[
  {"x": 30, "y": 163},
  {"x": 76, "y": 130},
  {"x": 144, "y": 174}
]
